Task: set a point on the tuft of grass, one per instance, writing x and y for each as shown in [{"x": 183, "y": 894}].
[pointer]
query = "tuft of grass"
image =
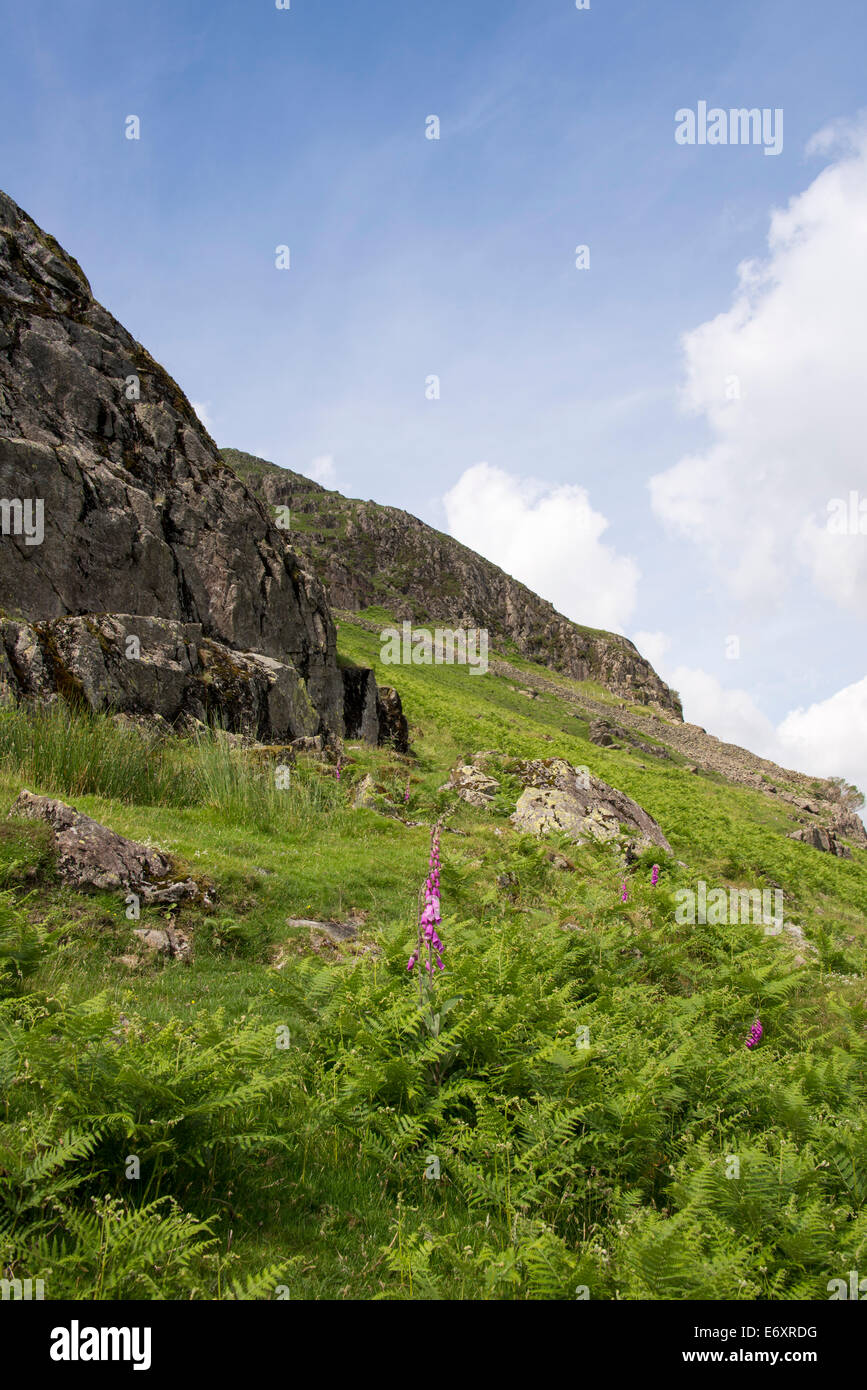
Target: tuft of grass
[{"x": 76, "y": 752}]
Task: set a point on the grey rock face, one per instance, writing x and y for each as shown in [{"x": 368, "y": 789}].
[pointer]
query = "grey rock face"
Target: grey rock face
[
  {"x": 391, "y": 720},
  {"x": 139, "y": 513},
  {"x": 176, "y": 674},
  {"x": 360, "y": 717},
  {"x": 845, "y": 822},
  {"x": 822, "y": 839},
  {"x": 89, "y": 855}
]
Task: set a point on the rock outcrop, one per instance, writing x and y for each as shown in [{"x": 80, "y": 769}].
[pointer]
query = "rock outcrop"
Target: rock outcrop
[
  {"x": 152, "y": 666},
  {"x": 114, "y": 498},
  {"x": 568, "y": 800},
  {"x": 823, "y": 839},
  {"x": 558, "y": 798},
  {"x": 605, "y": 734}
]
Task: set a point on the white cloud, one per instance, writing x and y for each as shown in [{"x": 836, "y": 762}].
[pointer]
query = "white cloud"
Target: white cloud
[
  {"x": 729, "y": 714},
  {"x": 653, "y": 646},
  {"x": 828, "y": 739},
  {"x": 548, "y": 538},
  {"x": 322, "y": 470},
  {"x": 203, "y": 409},
  {"x": 779, "y": 378}
]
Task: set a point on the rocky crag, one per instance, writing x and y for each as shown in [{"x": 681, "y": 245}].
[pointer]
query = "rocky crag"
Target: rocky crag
[
  {"x": 367, "y": 554},
  {"x": 115, "y": 501}
]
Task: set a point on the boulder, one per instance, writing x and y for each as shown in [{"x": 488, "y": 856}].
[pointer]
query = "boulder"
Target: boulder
[
  {"x": 307, "y": 744},
  {"x": 560, "y": 798},
  {"x": 330, "y": 940},
  {"x": 338, "y": 932},
  {"x": 89, "y": 855},
  {"x": 605, "y": 734},
  {"x": 601, "y": 733},
  {"x": 373, "y": 796},
  {"x": 166, "y": 941},
  {"x": 471, "y": 784}
]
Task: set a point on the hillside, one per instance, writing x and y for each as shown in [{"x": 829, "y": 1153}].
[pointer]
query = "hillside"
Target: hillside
[
  {"x": 513, "y": 986},
  {"x": 367, "y": 555},
  {"x": 379, "y": 565}
]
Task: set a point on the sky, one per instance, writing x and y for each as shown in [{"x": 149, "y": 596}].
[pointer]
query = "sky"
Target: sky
[{"x": 657, "y": 432}]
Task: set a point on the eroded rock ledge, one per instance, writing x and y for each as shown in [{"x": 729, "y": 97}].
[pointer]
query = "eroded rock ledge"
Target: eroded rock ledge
[{"x": 157, "y": 667}]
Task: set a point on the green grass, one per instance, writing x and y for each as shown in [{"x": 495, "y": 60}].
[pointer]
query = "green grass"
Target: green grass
[{"x": 562, "y": 1166}]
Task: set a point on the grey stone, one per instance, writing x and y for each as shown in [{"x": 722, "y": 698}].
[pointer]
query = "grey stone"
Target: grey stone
[
  {"x": 392, "y": 726},
  {"x": 178, "y": 676},
  {"x": 471, "y": 784},
  {"x": 89, "y": 855},
  {"x": 166, "y": 941}
]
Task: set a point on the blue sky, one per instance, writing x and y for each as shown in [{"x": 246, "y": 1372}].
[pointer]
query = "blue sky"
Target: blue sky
[{"x": 410, "y": 257}]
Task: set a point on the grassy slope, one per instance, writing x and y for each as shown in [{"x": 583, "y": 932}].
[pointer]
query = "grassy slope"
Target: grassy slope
[{"x": 561, "y": 1166}]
